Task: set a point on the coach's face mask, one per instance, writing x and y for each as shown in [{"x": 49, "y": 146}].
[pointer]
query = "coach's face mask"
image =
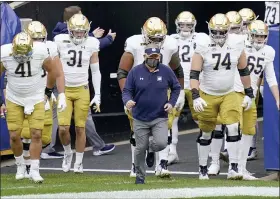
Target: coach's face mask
[{"x": 153, "y": 60}]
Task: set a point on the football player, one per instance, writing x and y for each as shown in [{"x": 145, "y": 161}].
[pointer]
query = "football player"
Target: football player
[
  {"x": 248, "y": 16},
  {"x": 185, "y": 27},
  {"x": 236, "y": 26},
  {"x": 260, "y": 59},
  {"x": 77, "y": 52},
  {"x": 219, "y": 55},
  {"x": 153, "y": 31},
  {"x": 23, "y": 60},
  {"x": 38, "y": 33}
]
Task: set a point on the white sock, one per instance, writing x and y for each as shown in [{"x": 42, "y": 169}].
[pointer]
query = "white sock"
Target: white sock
[
  {"x": 26, "y": 154},
  {"x": 216, "y": 146},
  {"x": 19, "y": 159},
  {"x": 173, "y": 145},
  {"x": 34, "y": 164},
  {"x": 132, "y": 153},
  {"x": 163, "y": 154},
  {"x": 243, "y": 151},
  {"x": 157, "y": 159},
  {"x": 27, "y": 161},
  {"x": 79, "y": 158},
  {"x": 203, "y": 153},
  {"x": 67, "y": 148},
  {"x": 232, "y": 147}
]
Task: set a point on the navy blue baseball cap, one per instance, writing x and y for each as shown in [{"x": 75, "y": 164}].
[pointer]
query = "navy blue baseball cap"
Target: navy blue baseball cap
[{"x": 150, "y": 51}]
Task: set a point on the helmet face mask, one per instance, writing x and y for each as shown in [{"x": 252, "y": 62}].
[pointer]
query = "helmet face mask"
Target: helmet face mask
[
  {"x": 154, "y": 31},
  {"x": 258, "y": 41},
  {"x": 219, "y": 36},
  {"x": 219, "y": 26},
  {"x": 258, "y": 34},
  {"x": 78, "y": 28},
  {"x": 185, "y": 24},
  {"x": 22, "y": 47},
  {"x": 235, "y": 30}
]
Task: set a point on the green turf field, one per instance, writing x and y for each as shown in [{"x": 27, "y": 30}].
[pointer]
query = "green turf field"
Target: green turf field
[{"x": 77, "y": 183}]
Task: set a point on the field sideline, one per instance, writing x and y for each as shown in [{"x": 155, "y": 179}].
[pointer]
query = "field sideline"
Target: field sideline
[{"x": 90, "y": 185}]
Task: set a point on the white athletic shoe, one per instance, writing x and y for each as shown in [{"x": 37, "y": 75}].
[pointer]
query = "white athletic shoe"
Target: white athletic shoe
[
  {"x": 35, "y": 175},
  {"x": 248, "y": 176},
  {"x": 203, "y": 173},
  {"x": 78, "y": 168},
  {"x": 67, "y": 160},
  {"x": 132, "y": 172},
  {"x": 214, "y": 169},
  {"x": 162, "y": 170},
  {"x": 172, "y": 158},
  {"x": 20, "y": 171},
  {"x": 233, "y": 173},
  {"x": 253, "y": 154}
]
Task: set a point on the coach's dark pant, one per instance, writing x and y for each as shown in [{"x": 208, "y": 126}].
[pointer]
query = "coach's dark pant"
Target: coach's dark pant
[{"x": 158, "y": 128}]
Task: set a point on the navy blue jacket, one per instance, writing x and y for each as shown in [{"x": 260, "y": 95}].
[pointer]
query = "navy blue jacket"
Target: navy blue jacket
[
  {"x": 149, "y": 91},
  {"x": 61, "y": 28}
]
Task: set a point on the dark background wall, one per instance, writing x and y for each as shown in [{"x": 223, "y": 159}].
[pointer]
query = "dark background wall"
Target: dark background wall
[{"x": 127, "y": 18}]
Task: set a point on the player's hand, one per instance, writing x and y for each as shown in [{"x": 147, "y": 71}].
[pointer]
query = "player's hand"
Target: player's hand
[
  {"x": 247, "y": 102},
  {"x": 47, "y": 105},
  {"x": 199, "y": 104},
  {"x": 53, "y": 98},
  {"x": 168, "y": 108},
  {"x": 96, "y": 100},
  {"x": 3, "y": 111},
  {"x": 261, "y": 90},
  {"x": 61, "y": 105},
  {"x": 113, "y": 34},
  {"x": 130, "y": 104},
  {"x": 97, "y": 33},
  {"x": 180, "y": 101}
]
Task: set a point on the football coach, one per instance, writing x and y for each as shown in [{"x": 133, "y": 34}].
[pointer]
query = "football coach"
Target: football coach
[{"x": 145, "y": 93}]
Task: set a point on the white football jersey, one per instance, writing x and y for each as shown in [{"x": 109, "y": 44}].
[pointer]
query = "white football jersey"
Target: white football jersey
[
  {"x": 75, "y": 59},
  {"x": 219, "y": 63},
  {"x": 258, "y": 62},
  {"x": 24, "y": 85},
  {"x": 53, "y": 52},
  {"x": 135, "y": 46},
  {"x": 271, "y": 12},
  {"x": 185, "y": 46}
]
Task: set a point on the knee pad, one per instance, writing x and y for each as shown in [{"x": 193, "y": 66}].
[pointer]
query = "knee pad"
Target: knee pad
[
  {"x": 132, "y": 139},
  {"x": 170, "y": 137},
  {"x": 218, "y": 133},
  {"x": 204, "y": 139},
  {"x": 233, "y": 132}
]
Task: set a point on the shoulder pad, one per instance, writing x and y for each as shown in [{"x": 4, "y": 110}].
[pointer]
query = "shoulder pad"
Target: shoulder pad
[
  {"x": 64, "y": 38},
  {"x": 6, "y": 50},
  {"x": 93, "y": 43},
  {"x": 40, "y": 49},
  {"x": 201, "y": 43},
  {"x": 52, "y": 48},
  {"x": 132, "y": 42},
  {"x": 170, "y": 43},
  {"x": 236, "y": 41},
  {"x": 270, "y": 53},
  {"x": 175, "y": 36}
]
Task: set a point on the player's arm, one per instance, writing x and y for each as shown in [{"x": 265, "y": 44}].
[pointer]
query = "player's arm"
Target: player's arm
[
  {"x": 49, "y": 66},
  {"x": 2, "y": 68},
  {"x": 175, "y": 65},
  {"x": 245, "y": 75},
  {"x": 95, "y": 72},
  {"x": 60, "y": 79},
  {"x": 271, "y": 81},
  {"x": 196, "y": 66},
  {"x": 125, "y": 66}
]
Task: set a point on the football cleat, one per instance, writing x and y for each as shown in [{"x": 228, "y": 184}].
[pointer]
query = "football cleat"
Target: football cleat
[
  {"x": 247, "y": 175},
  {"x": 233, "y": 173},
  {"x": 214, "y": 169},
  {"x": 67, "y": 160},
  {"x": 78, "y": 168},
  {"x": 172, "y": 158},
  {"x": 203, "y": 173},
  {"x": 35, "y": 175},
  {"x": 162, "y": 170},
  {"x": 253, "y": 153},
  {"x": 20, "y": 171}
]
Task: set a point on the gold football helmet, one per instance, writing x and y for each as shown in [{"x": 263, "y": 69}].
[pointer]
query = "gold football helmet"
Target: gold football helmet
[
  {"x": 37, "y": 30},
  {"x": 78, "y": 27},
  {"x": 154, "y": 31},
  {"x": 22, "y": 47},
  {"x": 235, "y": 21},
  {"x": 248, "y": 16},
  {"x": 219, "y": 26},
  {"x": 258, "y": 34},
  {"x": 185, "y": 24}
]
